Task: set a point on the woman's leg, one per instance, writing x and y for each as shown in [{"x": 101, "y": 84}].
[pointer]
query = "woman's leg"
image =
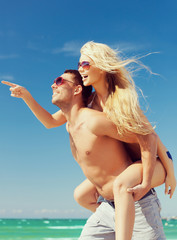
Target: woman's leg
[
  {"x": 124, "y": 202},
  {"x": 86, "y": 195}
]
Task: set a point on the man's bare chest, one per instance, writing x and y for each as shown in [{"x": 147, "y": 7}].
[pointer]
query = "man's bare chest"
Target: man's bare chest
[{"x": 81, "y": 141}]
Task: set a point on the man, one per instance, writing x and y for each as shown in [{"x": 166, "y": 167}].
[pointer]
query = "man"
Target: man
[
  {"x": 96, "y": 147},
  {"x": 100, "y": 153}
]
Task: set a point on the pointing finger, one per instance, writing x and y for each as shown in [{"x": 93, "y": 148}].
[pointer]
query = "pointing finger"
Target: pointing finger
[{"x": 9, "y": 83}]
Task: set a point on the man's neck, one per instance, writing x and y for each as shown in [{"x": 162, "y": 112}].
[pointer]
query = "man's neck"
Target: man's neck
[{"x": 72, "y": 112}]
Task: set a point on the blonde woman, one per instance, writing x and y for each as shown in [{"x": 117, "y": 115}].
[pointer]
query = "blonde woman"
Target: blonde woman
[{"x": 115, "y": 95}]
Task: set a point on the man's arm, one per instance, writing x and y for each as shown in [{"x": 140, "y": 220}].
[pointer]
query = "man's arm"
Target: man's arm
[{"x": 47, "y": 119}]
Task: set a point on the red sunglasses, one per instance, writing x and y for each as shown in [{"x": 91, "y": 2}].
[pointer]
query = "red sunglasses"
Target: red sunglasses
[
  {"x": 85, "y": 65},
  {"x": 59, "y": 81}
]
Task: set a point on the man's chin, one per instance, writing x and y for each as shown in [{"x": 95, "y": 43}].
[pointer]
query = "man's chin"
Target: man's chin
[
  {"x": 53, "y": 101},
  {"x": 56, "y": 102}
]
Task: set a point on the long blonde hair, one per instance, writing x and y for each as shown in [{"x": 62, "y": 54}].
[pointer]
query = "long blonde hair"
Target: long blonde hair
[{"x": 122, "y": 105}]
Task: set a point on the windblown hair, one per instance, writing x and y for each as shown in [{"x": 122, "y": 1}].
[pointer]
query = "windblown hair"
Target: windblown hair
[
  {"x": 122, "y": 105},
  {"x": 86, "y": 90}
]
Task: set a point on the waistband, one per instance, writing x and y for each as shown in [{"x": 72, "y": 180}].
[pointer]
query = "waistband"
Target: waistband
[
  {"x": 151, "y": 191},
  {"x": 101, "y": 199}
]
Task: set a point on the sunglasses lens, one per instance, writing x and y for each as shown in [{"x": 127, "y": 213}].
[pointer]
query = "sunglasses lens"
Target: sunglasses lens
[
  {"x": 85, "y": 65},
  {"x": 58, "y": 81}
]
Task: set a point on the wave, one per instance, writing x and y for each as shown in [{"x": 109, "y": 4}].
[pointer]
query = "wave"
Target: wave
[
  {"x": 60, "y": 238},
  {"x": 67, "y": 227}
]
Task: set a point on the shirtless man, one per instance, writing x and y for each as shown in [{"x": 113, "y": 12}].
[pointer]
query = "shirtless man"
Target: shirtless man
[
  {"x": 100, "y": 152},
  {"x": 98, "y": 149}
]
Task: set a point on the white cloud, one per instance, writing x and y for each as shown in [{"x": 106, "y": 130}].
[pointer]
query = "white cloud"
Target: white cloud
[
  {"x": 8, "y": 56},
  {"x": 48, "y": 211},
  {"x": 71, "y": 48},
  {"x": 17, "y": 211},
  {"x": 2, "y": 211},
  {"x": 32, "y": 46},
  {"x": 9, "y": 33},
  {"x": 7, "y": 77},
  {"x": 127, "y": 47}
]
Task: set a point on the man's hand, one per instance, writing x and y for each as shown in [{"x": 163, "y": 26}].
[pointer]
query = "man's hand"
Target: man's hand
[
  {"x": 138, "y": 191},
  {"x": 16, "y": 90}
]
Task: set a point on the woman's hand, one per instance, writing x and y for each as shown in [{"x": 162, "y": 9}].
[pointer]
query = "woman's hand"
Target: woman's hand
[
  {"x": 170, "y": 184},
  {"x": 17, "y": 90},
  {"x": 139, "y": 191}
]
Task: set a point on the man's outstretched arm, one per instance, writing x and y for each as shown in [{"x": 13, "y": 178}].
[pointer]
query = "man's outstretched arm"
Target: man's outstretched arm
[{"x": 47, "y": 119}]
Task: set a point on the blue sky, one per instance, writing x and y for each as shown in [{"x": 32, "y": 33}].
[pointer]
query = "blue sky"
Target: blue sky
[{"x": 38, "y": 41}]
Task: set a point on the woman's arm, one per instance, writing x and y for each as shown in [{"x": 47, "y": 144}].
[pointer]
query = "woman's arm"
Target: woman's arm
[
  {"x": 148, "y": 148},
  {"x": 148, "y": 145},
  {"x": 47, "y": 119},
  {"x": 166, "y": 159},
  {"x": 151, "y": 146}
]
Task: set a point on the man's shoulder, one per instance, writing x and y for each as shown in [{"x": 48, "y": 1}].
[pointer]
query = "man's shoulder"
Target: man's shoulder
[
  {"x": 95, "y": 120},
  {"x": 91, "y": 113}
]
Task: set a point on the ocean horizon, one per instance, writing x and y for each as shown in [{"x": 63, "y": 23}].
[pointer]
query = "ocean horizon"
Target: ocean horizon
[{"x": 57, "y": 229}]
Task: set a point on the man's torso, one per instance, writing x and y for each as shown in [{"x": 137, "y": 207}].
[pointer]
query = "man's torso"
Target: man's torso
[{"x": 101, "y": 158}]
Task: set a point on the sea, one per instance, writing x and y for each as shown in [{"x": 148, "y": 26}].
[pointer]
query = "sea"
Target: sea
[{"x": 57, "y": 229}]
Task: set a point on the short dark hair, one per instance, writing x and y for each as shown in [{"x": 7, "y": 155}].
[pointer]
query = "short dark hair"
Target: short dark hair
[{"x": 86, "y": 90}]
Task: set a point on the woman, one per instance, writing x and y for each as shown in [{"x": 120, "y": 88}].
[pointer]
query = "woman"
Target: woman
[{"x": 115, "y": 95}]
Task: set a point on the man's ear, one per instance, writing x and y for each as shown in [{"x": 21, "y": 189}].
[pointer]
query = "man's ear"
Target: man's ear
[{"x": 78, "y": 90}]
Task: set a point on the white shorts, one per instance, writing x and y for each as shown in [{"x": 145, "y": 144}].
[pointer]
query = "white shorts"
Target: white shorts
[{"x": 148, "y": 223}]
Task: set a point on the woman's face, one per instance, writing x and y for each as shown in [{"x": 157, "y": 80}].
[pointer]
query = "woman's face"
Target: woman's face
[{"x": 90, "y": 73}]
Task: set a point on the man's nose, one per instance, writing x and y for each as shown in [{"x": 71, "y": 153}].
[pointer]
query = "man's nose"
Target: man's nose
[{"x": 53, "y": 85}]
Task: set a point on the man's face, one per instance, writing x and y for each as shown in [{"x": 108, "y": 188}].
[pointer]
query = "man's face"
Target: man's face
[{"x": 63, "y": 92}]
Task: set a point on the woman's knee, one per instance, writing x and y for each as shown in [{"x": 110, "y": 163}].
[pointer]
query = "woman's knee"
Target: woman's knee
[
  {"x": 120, "y": 186},
  {"x": 78, "y": 196}
]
